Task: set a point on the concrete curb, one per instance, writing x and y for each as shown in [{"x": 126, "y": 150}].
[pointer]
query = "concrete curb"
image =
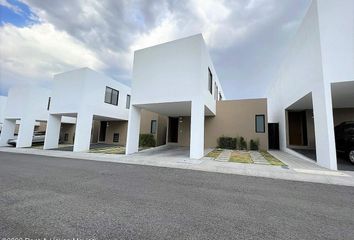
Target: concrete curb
[{"x": 205, "y": 164}]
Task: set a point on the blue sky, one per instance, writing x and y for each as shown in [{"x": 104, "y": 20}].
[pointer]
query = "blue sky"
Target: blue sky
[
  {"x": 19, "y": 14},
  {"x": 247, "y": 39}
]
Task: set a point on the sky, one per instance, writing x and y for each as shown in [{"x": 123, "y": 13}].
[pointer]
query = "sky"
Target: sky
[{"x": 247, "y": 39}]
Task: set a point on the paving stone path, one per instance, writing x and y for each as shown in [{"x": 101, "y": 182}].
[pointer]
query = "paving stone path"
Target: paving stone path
[
  {"x": 258, "y": 158},
  {"x": 224, "y": 156}
]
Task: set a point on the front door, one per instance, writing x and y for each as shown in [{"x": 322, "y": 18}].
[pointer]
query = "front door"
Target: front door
[
  {"x": 297, "y": 128},
  {"x": 173, "y": 129},
  {"x": 103, "y": 128}
]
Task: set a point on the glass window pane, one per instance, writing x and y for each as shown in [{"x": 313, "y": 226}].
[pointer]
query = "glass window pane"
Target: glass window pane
[
  {"x": 108, "y": 95},
  {"x": 260, "y": 124},
  {"x": 153, "y": 126},
  {"x": 115, "y": 95},
  {"x": 127, "y": 105}
]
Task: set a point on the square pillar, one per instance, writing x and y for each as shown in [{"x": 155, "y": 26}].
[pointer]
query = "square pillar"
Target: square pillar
[
  {"x": 324, "y": 127},
  {"x": 25, "y": 133},
  {"x": 132, "y": 145},
  {"x": 197, "y": 130},
  {"x": 52, "y": 132},
  {"x": 83, "y": 132},
  {"x": 7, "y": 132}
]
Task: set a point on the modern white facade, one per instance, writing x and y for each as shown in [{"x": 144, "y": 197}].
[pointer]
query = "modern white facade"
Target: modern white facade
[
  {"x": 317, "y": 74},
  {"x": 3, "y": 101},
  {"x": 174, "y": 79},
  {"x": 26, "y": 105},
  {"x": 85, "y": 95}
]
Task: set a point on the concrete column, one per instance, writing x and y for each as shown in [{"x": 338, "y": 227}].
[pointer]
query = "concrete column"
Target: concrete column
[
  {"x": 197, "y": 130},
  {"x": 7, "y": 131},
  {"x": 83, "y": 132},
  {"x": 52, "y": 132},
  {"x": 25, "y": 133},
  {"x": 132, "y": 145},
  {"x": 324, "y": 127}
]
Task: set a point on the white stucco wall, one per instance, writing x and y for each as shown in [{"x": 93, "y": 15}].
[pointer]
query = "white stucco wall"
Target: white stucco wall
[
  {"x": 3, "y": 101},
  {"x": 176, "y": 71},
  {"x": 84, "y": 90},
  {"x": 27, "y": 102}
]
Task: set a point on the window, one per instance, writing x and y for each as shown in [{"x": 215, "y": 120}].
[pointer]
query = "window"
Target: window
[
  {"x": 260, "y": 124},
  {"x": 127, "y": 104},
  {"x": 115, "y": 137},
  {"x": 111, "y": 96},
  {"x": 220, "y": 97},
  {"x": 216, "y": 94},
  {"x": 210, "y": 78},
  {"x": 48, "y": 105},
  {"x": 153, "y": 126}
]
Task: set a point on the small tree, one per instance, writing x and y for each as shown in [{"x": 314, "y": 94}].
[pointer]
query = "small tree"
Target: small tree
[
  {"x": 147, "y": 140},
  {"x": 242, "y": 144},
  {"x": 254, "y": 144}
]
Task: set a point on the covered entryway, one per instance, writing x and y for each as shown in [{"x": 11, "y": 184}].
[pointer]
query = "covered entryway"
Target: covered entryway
[{"x": 301, "y": 128}]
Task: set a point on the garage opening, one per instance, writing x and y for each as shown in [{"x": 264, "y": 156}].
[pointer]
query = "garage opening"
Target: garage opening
[{"x": 343, "y": 121}]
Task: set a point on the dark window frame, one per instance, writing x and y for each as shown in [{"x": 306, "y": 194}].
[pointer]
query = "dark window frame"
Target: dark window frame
[
  {"x": 127, "y": 103},
  {"x": 151, "y": 130},
  {"x": 111, "y": 97},
  {"x": 115, "y": 140},
  {"x": 210, "y": 81},
  {"x": 48, "y": 105},
  {"x": 263, "y": 116}
]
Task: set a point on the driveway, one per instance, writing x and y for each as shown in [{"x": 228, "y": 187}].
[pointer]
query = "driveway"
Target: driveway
[
  {"x": 166, "y": 151},
  {"x": 44, "y": 196},
  {"x": 342, "y": 163}
]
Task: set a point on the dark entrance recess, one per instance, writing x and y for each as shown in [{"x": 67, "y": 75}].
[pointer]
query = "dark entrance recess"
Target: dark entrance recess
[
  {"x": 297, "y": 128},
  {"x": 103, "y": 128},
  {"x": 173, "y": 129},
  {"x": 273, "y": 135}
]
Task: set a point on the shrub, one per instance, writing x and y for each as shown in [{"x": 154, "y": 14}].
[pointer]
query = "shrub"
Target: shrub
[
  {"x": 227, "y": 142},
  {"x": 254, "y": 144},
  {"x": 147, "y": 140},
  {"x": 242, "y": 144}
]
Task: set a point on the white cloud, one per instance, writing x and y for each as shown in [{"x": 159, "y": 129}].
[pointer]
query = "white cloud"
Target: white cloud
[
  {"x": 38, "y": 51},
  {"x": 242, "y": 36}
]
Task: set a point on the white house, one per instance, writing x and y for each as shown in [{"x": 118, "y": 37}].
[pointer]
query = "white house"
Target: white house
[
  {"x": 26, "y": 106},
  {"x": 85, "y": 95},
  {"x": 3, "y": 101},
  {"x": 174, "y": 79},
  {"x": 314, "y": 90}
]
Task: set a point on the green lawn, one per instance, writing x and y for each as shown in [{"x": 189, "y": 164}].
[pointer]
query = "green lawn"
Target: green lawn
[
  {"x": 240, "y": 157},
  {"x": 271, "y": 159},
  {"x": 109, "y": 150},
  {"x": 215, "y": 153}
]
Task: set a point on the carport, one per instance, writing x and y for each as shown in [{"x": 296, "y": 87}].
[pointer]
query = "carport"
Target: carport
[
  {"x": 300, "y": 122},
  {"x": 343, "y": 111}
]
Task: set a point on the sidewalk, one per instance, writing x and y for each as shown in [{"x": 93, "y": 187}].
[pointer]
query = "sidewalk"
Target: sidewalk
[{"x": 297, "y": 169}]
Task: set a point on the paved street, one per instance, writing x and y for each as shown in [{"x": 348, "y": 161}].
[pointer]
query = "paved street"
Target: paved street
[{"x": 44, "y": 196}]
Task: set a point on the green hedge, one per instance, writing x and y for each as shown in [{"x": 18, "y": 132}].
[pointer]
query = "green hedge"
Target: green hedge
[
  {"x": 147, "y": 140},
  {"x": 254, "y": 144},
  {"x": 227, "y": 142}
]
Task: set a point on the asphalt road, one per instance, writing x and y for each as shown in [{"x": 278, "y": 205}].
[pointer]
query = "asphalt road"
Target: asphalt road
[{"x": 66, "y": 198}]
